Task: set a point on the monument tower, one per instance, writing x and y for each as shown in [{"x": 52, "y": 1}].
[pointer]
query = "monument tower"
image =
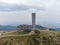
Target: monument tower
[{"x": 33, "y": 20}]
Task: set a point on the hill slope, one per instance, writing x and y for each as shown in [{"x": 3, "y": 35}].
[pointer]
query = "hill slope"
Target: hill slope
[{"x": 40, "y": 37}]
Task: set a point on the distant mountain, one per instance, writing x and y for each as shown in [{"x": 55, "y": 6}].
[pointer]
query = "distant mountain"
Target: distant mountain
[
  {"x": 23, "y": 27},
  {"x": 40, "y": 27},
  {"x": 58, "y": 29},
  {"x": 7, "y": 27},
  {"x": 29, "y": 27}
]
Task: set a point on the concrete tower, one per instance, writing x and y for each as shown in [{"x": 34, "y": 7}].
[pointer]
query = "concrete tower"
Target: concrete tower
[{"x": 33, "y": 20}]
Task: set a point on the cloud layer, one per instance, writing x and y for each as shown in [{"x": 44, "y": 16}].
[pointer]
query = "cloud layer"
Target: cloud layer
[
  {"x": 16, "y": 12},
  {"x": 16, "y": 5}
]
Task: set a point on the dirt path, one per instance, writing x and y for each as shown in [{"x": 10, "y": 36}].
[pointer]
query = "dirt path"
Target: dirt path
[{"x": 31, "y": 33}]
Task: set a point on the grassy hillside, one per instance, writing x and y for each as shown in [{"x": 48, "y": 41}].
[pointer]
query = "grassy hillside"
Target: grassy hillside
[
  {"x": 40, "y": 37},
  {"x": 46, "y": 37}
]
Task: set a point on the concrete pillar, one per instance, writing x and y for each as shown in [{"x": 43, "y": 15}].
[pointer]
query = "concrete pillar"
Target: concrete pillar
[{"x": 33, "y": 20}]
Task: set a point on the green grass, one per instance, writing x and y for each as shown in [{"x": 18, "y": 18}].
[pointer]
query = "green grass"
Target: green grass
[
  {"x": 17, "y": 32},
  {"x": 41, "y": 37}
]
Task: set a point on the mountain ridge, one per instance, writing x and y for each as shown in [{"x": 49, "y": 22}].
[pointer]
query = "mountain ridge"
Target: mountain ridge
[{"x": 10, "y": 27}]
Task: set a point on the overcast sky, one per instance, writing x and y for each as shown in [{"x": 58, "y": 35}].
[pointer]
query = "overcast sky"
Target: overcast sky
[{"x": 15, "y": 12}]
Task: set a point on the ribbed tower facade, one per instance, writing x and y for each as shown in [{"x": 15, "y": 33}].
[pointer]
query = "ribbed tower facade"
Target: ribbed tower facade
[{"x": 33, "y": 20}]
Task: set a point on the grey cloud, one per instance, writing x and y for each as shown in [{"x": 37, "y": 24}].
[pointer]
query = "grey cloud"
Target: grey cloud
[{"x": 15, "y": 7}]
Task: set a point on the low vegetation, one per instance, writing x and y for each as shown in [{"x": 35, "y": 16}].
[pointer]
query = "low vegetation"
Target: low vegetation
[{"x": 40, "y": 37}]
